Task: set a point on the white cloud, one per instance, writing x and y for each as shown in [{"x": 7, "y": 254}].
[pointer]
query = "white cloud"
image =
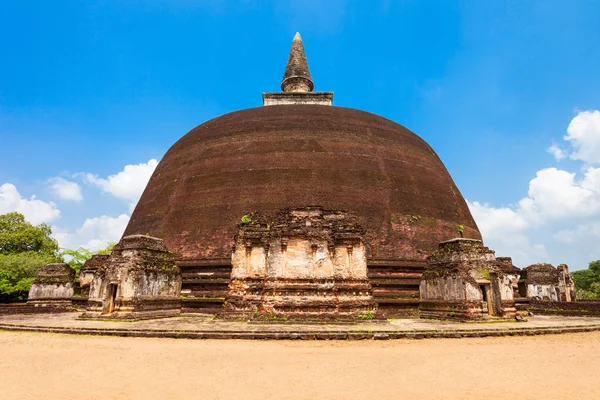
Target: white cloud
[
  {"x": 557, "y": 152},
  {"x": 64, "y": 189},
  {"x": 556, "y": 194},
  {"x": 502, "y": 230},
  {"x": 35, "y": 211},
  {"x": 561, "y": 209},
  {"x": 492, "y": 219},
  {"x": 95, "y": 233},
  {"x": 556, "y": 199},
  {"x": 583, "y": 134},
  {"x": 127, "y": 184}
]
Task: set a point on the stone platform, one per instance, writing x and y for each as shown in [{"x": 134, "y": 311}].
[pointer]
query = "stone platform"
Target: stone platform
[{"x": 206, "y": 327}]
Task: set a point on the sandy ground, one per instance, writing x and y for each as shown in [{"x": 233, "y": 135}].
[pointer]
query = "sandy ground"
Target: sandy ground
[{"x": 54, "y": 366}]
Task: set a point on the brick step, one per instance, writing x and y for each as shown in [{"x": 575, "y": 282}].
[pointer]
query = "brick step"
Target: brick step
[
  {"x": 206, "y": 272},
  {"x": 407, "y": 302},
  {"x": 204, "y": 262},
  {"x": 396, "y": 270},
  {"x": 204, "y": 293},
  {"x": 410, "y": 292},
  {"x": 205, "y": 275},
  {"x": 394, "y": 274},
  {"x": 188, "y": 305},
  {"x": 190, "y": 300},
  {"x": 396, "y": 264},
  {"x": 393, "y": 282},
  {"x": 204, "y": 285},
  {"x": 386, "y": 299},
  {"x": 205, "y": 281}
]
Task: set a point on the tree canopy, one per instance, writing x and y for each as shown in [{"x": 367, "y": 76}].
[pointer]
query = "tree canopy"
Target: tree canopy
[
  {"x": 17, "y": 236},
  {"x": 76, "y": 258},
  {"x": 24, "y": 249},
  {"x": 18, "y": 271},
  {"x": 587, "y": 281}
]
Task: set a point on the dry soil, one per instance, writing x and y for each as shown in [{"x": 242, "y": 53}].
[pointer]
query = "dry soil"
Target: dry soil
[{"x": 55, "y": 366}]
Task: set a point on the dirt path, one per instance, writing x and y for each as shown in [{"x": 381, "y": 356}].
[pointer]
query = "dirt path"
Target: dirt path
[{"x": 53, "y": 366}]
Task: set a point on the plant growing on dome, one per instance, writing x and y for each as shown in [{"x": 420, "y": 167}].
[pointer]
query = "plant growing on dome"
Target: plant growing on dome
[{"x": 461, "y": 229}]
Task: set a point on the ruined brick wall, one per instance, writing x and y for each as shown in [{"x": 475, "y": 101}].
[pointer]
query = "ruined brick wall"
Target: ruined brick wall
[
  {"x": 544, "y": 282},
  {"x": 577, "y": 308},
  {"x": 464, "y": 280},
  {"x": 307, "y": 243},
  {"x": 145, "y": 275},
  {"x": 88, "y": 269},
  {"x": 305, "y": 261},
  {"x": 454, "y": 268},
  {"x": 54, "y": 282}
]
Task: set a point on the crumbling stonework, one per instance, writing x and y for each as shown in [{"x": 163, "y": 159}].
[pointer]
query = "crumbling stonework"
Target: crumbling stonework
[
  {"x": 544, "y": 282},
  {"x": 464, "y": 280},
  {"x": 308, "y": 263},
  {"x": 512, "y": 272},
  {"x": 53, "y": 285},
  {"x": 138, "y": 280},
  {"x": 88, "y": 269},
  {"x": 566, "y": 283}
]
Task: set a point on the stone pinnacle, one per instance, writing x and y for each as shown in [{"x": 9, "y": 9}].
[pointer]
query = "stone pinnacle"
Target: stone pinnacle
[{"x": 297, "y": 76}]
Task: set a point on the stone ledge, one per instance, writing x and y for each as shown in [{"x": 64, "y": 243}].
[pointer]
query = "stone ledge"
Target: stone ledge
[
  {"x": 290, "y": 335},
  {"x": 299, "y": 332}
]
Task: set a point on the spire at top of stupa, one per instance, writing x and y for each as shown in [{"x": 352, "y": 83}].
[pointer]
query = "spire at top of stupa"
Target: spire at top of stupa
[
  {"x": 297, "y": 85},
  {"x": 297, "y": 75}
]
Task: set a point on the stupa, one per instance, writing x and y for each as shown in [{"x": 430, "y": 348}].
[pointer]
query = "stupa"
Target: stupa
[{"x": 294, "y": 152}]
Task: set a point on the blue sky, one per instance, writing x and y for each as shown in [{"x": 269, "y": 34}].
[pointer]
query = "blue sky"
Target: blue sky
[{"x": 88, "y": 88}]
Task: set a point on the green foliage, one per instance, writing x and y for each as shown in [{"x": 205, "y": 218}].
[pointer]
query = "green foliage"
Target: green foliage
[
  {"x": 461, "y": 229},
  {"x": 247, "y": 219},
  {"x": 594, "y": 266},
  {"x": 76, "y": 258},
  {"x": 366, "y": 316},
  {"x": 414, "y": 219},
  {"x": 18, "y": 271},
  {"x": 18, "y": 235},
  {"x": 24, "y": 250},
  {"x": 587, "y": 281},
  {"x": 584, "y": 279},
  {"x": 107, "y": 250}
]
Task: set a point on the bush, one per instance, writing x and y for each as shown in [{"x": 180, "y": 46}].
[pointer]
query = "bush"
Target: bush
[
  {"x": 587, "y": 281},
  {"x": 18, "y": 271}
]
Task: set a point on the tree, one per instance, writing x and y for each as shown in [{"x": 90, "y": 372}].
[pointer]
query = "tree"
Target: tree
[
  {"x": 24, "y": 249},
  {"x": 587, "y": 281},
  {"x": 17, "y": 273},
  {"x": 107, "y": 249},
  {"x": 17, "y": 235},
  {"x": 76, "y": 258}
]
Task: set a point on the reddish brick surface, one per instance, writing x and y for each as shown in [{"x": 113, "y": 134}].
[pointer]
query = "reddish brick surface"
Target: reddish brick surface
[{"x": 268, "y": 158}]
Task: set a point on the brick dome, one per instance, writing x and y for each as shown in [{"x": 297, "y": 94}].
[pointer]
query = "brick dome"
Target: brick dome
[{"x": 268, "y": 158}]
